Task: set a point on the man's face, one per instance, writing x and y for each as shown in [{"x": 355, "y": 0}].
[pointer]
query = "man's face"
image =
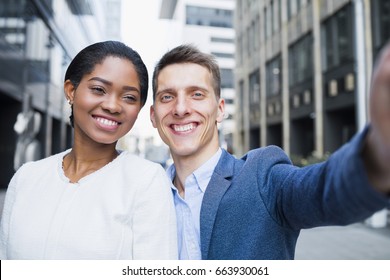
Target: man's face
[{"x": 186, "y": 111}]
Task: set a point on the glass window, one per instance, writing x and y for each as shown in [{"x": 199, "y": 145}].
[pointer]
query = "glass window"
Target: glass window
[
  {"x": 254, "y": 87},
  {"x": 229, "y": 101},
  {"x": 301, "y": 60},
  {"x": 271, "y": 15},
  {"x": 253, "y": 37},
  {"x": 240, "y": 101},
  {"x": 248, "y": 39},
  {"x": 209, "y": 17},
  {"x": 290, "y": 8},
  {"x": 265, "y": 22},
  {"x": 257, "y": 33},
  {"x": 222, "y": 40},
  {"x": 275, "y": 16},
  {"x": 279, "y": 13},
  {"x": 328, "y": 39},
  {"x": 289, "y": 13},
  {"x": 344, "y": 38},
  {"x": 223, "y": 55},
  {"x": 385, "y": 20},
  {"x": 381, "y": 22},
  {"x": 274, "y": 74},
  {"x": 337, "y": 36},
  {"x": 227, "y": 78},
  {"x": 239, "y": 53}
]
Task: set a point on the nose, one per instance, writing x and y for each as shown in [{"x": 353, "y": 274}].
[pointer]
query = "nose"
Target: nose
[
  {"x": 111, "y": 104},
  {"x": 181, "y": 107}
]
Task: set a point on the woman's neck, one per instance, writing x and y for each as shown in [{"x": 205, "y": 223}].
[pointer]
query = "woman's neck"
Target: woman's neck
[{"x": 82, "y": 161}]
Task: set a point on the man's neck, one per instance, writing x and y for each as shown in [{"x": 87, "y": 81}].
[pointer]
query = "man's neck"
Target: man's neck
[{"x": 185, "y": 166}]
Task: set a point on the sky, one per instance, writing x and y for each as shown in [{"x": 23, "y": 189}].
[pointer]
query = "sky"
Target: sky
[{"x": 151, "y": 38}]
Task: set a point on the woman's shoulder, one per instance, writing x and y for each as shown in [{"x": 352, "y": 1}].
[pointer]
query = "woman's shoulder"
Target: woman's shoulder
[
  {"x": 144, "y": 171},
  {"x": 137, "y": 161},
  {"x": 42, "y": 165},
  {"x": 35, "y": 169}
]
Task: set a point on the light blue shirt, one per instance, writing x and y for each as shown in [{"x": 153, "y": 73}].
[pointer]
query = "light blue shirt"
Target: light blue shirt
[{"x": 188, "y": 209}]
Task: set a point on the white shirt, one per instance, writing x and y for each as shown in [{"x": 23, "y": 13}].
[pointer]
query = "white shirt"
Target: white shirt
[
  {"x": 122, "y": 211},
  {"x": 188, "y": 209}
]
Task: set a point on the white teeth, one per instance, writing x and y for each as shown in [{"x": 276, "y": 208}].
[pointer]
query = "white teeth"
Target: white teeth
[
  {"x": 106, "y": 122},
  {"x": 183, "y": 128}
]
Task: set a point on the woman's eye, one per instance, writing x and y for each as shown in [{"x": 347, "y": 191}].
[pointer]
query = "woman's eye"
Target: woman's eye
[
  {"x": 130, "y": 98},
  {"x": 98, "y": 90}
]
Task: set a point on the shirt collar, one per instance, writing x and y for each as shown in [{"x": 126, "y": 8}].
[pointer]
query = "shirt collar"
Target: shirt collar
[
  {"x": 205, "y": 171},
  {"x": 202, "y": 174}
]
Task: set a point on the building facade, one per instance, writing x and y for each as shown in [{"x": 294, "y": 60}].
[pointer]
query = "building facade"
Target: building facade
[
  {"x": 303, "y": 70},
  {"x": 209, "y": 26},
  {"x": 38, "y": 38}
]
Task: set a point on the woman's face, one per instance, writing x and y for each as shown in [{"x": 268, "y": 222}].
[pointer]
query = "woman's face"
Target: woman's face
[{"x": 107, "y": 101}]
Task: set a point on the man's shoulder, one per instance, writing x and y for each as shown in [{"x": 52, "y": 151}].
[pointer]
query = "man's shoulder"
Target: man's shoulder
[
  {"x": 254, "y": 154},
  {"x": 259, "y": 158},
  {"x": 265, "y": 154}
]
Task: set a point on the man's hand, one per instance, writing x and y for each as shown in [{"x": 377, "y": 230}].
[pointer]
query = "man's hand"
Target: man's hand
[{"x": 377, "y": 150}]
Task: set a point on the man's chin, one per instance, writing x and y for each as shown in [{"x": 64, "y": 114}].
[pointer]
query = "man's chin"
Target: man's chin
[{"x": 183, "y": 151}]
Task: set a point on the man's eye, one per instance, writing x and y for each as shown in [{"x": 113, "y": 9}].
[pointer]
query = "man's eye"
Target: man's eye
[
  {"x": 198, "y": 94},
  {"x": 166, "y": 98}
]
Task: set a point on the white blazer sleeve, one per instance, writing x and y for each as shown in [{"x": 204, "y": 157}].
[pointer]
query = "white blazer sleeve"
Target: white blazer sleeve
[
  {"x": 6, "y": 215},
  {"x": 154, "y": 220}
]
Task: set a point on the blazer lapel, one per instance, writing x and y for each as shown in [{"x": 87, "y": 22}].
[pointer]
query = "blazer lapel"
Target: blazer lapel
[{"x": 218, "y": 185}]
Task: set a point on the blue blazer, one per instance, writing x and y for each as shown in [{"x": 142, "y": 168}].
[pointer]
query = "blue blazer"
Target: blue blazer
[{"x": 254, "y": 207}]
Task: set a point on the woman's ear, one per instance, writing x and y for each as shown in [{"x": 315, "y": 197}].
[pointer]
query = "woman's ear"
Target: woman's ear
[{"x": 69, "y": 90}]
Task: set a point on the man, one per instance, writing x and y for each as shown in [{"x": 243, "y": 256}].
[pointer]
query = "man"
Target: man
[{"x": 255, "y": 207}]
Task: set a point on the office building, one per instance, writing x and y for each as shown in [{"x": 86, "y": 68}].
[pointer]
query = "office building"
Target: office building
[{"x": 303, "y": 71}]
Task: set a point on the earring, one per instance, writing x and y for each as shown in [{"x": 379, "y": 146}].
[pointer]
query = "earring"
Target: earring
[{"x": 70, "y": 102}]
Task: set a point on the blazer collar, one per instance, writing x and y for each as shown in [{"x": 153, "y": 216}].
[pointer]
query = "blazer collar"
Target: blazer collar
[{"x": 218, "y": 185}]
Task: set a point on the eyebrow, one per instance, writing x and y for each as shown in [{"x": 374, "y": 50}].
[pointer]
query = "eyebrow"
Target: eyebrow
[
  {"x": 190, "y": 88},
  {"x": 127, "y": 88},
  {"x": 166, "y": 90}
]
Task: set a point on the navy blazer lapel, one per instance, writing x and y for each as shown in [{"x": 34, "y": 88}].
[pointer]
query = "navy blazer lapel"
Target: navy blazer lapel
[{"x": 218, "y": 185}]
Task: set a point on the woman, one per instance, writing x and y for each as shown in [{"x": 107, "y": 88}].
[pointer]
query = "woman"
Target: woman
[{"x": 93, "y": 201}]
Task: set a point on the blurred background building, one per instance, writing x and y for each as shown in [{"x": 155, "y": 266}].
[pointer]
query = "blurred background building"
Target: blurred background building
[
  {"x": 303, "y": 71},
  {"x": 38, "y": 38}
]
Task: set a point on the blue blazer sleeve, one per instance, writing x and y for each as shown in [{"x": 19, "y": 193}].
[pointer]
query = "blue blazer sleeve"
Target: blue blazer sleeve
[{"x": 335, "y": 192}]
